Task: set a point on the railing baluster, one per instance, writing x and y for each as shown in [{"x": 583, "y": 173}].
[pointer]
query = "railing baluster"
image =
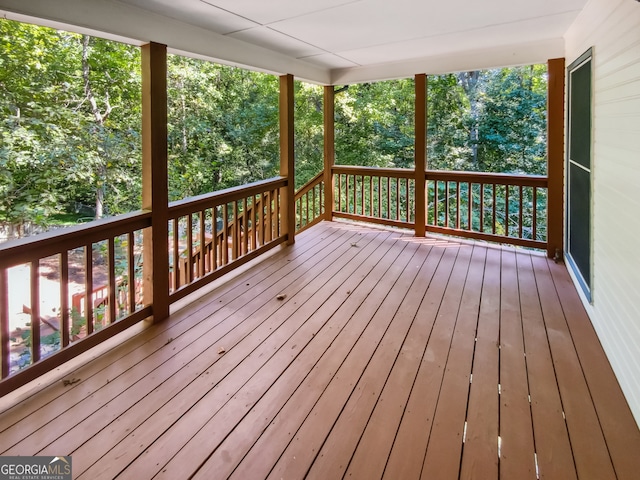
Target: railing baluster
[
  {"x": 132, "y": 272},
  {"x": 235, "y": 231},
  {"x": 407, "y": 200},
  {"x": 435, "y": 203},
  {"x": 347, "y": 198},
  {"x": 482, "y": 189},
  {"x": 203, "y": 244},
  {"x": 214, "y": 238},
  {"x": 506, "y": 208},
  {"x": 35, "y": 311},
  {"x": 245, "y": 227},
  {"x": 5, "y": 344},
  {"x": 469, "y": 206},
  {"x": 314, "y": 207},
  {"x": 362, "y": 195},
  {"x": 355, "y": 194},
  {"x": 189, "y": 251},
  {"x": 111, "y": 248},
  {"x": 64, "y": 298},
  {"x": 520, "y": 212},
  {"x": 88, "y": 286},
  {"x": 397, "y": 182},
  {"x": 225, "y": 229},
  {"x": 261, "y": 219},
  {"x": 176, "y": 255},
  {"x": 370, "y": 196},
  {"x": 495, "y": 219},
  {"x": 458, "y": 205},
  {"x": 254, "y": 221},
  {"x": 446, "y": 204},
  {"x": 534, "y": 220}
]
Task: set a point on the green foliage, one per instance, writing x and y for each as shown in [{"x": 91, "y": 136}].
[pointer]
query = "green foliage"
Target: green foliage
[
  {"x": 53, "y": 151},
  {"x": 71, "y": 123},
  {"x": 374, "y": 124}
]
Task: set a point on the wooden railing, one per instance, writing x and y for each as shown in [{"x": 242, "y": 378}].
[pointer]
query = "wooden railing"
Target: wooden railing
[
  {"x": 500, "y": 208},
  {"x": 67, "y": 290},
  {"x": 93, "y": 272},
  {"x": 214, "y": 233},
  {"x": 379, "y": 195},
  {"x": 309, "y": 202},
  {"x": 38, "y": 326}
]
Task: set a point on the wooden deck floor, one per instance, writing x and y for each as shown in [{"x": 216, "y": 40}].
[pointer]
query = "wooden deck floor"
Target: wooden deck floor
[{"x": 356, "y": 353}]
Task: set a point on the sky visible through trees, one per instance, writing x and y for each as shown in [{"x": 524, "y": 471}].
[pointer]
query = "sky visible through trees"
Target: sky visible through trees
[{"x": 70, "y": 142}]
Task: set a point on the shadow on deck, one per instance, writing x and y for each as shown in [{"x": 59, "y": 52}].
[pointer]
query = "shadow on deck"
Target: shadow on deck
[{"x": 358, "y": 353}]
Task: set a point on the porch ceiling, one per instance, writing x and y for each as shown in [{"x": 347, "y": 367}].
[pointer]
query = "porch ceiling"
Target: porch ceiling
[{"x": 333, "y": 41}]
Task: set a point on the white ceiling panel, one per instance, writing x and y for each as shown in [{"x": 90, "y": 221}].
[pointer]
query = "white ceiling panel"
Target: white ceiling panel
[
  {"x": 315, "y": 37},
  {"x": 195, "y": 12},
  {"x": 330, "y": 61},
  {"x": 269, "y": 11},
  {"x": 277, "y": 41},
  {"x": 440, "y": 44}
]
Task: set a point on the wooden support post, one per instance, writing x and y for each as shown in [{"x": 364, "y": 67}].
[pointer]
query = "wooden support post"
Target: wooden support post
[
  {"x": 329, "y": 150},
  {"x": 555, "y": 157},
  {"x": 420, "y": 153},
  {"x": 155, "y": 194},
  {"x": 287, "y": 159}
]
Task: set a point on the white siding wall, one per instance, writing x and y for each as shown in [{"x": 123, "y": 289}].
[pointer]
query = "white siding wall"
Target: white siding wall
[{"x": 612, "y": 28}]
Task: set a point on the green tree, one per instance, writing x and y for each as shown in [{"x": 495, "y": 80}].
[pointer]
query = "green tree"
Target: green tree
[{"x": 374, "y": 124}]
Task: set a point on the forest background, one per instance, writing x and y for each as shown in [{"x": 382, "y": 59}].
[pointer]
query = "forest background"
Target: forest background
[{"x": 70, "y": 141}]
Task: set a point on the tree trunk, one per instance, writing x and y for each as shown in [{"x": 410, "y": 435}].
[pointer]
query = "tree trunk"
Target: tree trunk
[
  {"x": 469, "y": 82},
  {"x": 100, "y": 117}
]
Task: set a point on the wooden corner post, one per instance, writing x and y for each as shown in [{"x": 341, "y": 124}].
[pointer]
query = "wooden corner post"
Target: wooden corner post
[
  {"x": 155, "y": 194},
  {"x": 555, "y": 157},
  {"x": 329, "y": 150},
  {"x": 420, "y": 154},
  {"x": 287, "y": 158}
]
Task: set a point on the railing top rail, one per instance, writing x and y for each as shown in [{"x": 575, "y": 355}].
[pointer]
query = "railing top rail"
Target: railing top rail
[
  {"x": 20, "y": 251},
  {"x": 373, "y": 171},
  {"x": 208, "y": 200},
  {"x": 488, "y": 177},
  {"x": 310, "y": 184},
  {"x": 451, "y": 175}
]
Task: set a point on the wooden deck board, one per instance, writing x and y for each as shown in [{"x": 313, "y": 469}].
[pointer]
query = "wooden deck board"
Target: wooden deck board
[
  {"x": 363, "y": 370},
  {"x": 287, "y": 365},
  {"x": 553, "y": 448},
  {"x": 480, "y": 449},
  {"x": 256, "y": 343},
  {"x": 587, "y": 440},
  {"x": 447, "y": 434}
]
